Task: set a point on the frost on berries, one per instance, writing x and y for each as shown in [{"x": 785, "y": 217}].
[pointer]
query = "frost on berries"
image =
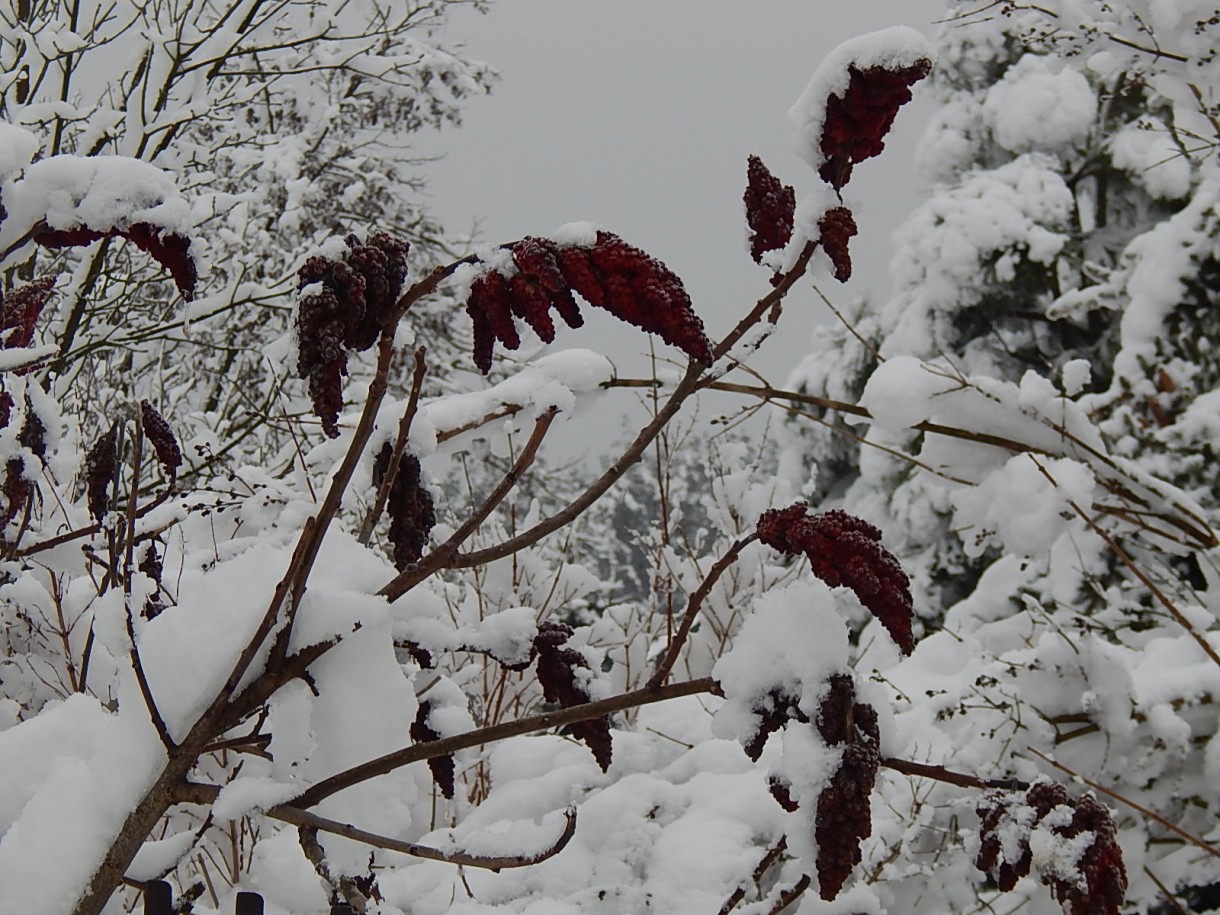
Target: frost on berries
[
  {"x": 843, "y": 819},
  {"x": 442, "y": 767},
  {"x": 408, "y": 505},
  {"x": 858, "y": 120},
  {"x": 162, "y": 439},
  {"x": 609, "y": 274},
  {"x": 560, "y": 675},
  {"x": 169, "y": 249},
  {"x": 1071, "y": 843},
  {"x": 770, "y": 209},
  {"x": 344, "y": 305},
  {"x": 845, "y": 551}
]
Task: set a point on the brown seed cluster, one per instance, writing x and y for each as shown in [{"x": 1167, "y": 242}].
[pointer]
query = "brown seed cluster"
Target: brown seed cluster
[
  {"x": 557, "y": 673},
  {"x": 1100, "y": 882},
  {"x": 162, "y": 439},
  {"x": 345, "y": 307},
  {"x": 844, "y": 819},
  {"x": 100, "y": 467},
  {"x": 408, "y": 505},
  {"x": 845, "y": 551},
  {"x": 442, "y": 767},
  {"x": 609, "y": 274}
]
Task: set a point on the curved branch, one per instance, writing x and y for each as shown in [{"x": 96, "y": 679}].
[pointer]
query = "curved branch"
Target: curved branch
[{"x": 289, "y": 814}]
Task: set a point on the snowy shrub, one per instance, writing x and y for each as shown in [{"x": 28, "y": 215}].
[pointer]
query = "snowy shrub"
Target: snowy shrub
[{"x": 224, "y": 664}]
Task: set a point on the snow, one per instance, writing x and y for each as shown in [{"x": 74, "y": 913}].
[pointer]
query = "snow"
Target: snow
[
  {"x": 1036, "y": 107},
  {"x": 99, "y": 193},
  {"x": 74, "y": 763},
  {"x": 1075, "y": 375},
  {"x": 1147, "y": 149}
]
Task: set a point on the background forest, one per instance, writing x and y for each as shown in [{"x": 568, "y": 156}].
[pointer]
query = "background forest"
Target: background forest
[{"x": 294, "y": 599}]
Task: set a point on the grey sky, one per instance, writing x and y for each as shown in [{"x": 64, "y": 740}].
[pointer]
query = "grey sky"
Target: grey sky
[{"x": 639, "y": 115}]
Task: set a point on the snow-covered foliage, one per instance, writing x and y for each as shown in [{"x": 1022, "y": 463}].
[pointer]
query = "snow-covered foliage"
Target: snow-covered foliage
[
  {"x": 232, "y": 680},
  {"x": 1037, "y": 439},
  {"x": 283, "y": 124}
]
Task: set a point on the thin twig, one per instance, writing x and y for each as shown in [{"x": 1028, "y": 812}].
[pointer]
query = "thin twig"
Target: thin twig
[
  {"x": 790, "y": 895},
  {"x": 695, "y": 378},
  {"x": 768, "y": 860},
  {"x": 692, "y": 609},
  {"x": 404, "y": 430},
  {"x": 949, "y": 777},
  {"x": 1169, "y": 896},
  {"x": 1148, "y": 583},
  {"x": 1122, "y": 799},
  {"x": 154, "y": 713}
]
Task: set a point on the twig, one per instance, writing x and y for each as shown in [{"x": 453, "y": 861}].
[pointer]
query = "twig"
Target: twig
[
  {"x": 692, "y": 609},
  {"x": 87, "y": 531},
  {"x": 949, "y": 777},
  {"x": 1122, "y": 799},
  {"x": 851, "y": 328},
  {"x": 790, "y": 895},
  {"x": 404, "y": 429},
  {"x": 443, "y": 555},
  {"x": 1148, "y": 583},
  {"x": 1169, "y": 897},
  {"x": 693, "y": 380},
  {"x": 760, "y": 871},
  {"x": 137, "y": 663}
]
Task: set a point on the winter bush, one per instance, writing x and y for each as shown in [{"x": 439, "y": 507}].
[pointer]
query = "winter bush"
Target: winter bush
[{"x": 223, "y": 664}]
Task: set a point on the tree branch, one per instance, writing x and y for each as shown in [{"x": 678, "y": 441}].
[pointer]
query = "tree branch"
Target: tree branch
[{"x": 496, "y": 732}]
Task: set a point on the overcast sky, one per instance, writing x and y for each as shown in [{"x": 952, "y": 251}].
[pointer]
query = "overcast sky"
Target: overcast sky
[{"x": 638, "y": 115}]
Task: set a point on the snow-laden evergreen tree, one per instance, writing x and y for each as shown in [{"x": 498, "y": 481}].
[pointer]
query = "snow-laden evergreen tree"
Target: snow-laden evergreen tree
[{"x": 1048, "y": 359}]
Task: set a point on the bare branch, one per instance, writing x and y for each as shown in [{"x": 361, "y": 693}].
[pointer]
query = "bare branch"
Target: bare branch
[{"x": 692, "y": 609}]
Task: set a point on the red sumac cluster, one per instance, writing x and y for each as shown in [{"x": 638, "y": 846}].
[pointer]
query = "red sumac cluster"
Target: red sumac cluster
[
  {"x": 843, "y": 819},
  {"x": 857, "y": 122},
  {"x": 442, "y": 767},
  {"x": 770, "y": 209},
  {"x": 169, "y": 249},
  {"x": 559, "y": 674},
  {"x": 844, "y": 550},
  {"x": 609, "y": 273}
]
